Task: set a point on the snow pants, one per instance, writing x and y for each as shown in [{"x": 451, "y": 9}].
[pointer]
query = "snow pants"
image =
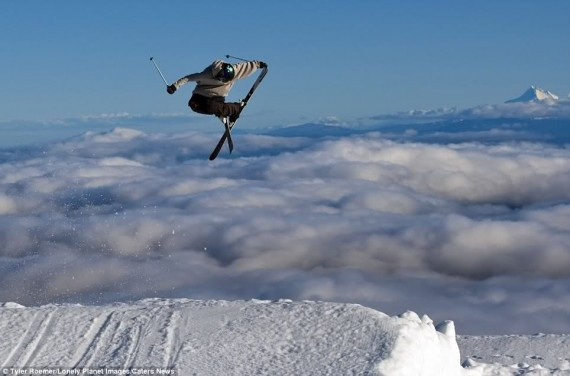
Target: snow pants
[{"x": 214, "y": 106}]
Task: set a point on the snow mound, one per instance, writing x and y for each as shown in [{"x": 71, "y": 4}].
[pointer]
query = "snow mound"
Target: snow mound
[
  {"x": 419, "y": 349},
  {"x": 221, "y": 337},
  {"x": 535, "y": 94},
  {"x": 242, "y": 338}
]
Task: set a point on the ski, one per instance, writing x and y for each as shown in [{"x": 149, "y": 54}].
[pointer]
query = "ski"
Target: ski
[{"x": 227, "y": 133}]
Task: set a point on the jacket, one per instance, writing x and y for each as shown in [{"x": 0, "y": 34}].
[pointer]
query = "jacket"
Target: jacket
[{"x": 209, "y": 86}]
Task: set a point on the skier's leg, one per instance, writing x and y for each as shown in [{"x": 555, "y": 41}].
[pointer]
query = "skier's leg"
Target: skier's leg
[
  {"x": 215, "y": 106},
  {"x": 199, "y": 104},
  {"x": 230, "y": 110},
  {"x": 236, "y": 111}
]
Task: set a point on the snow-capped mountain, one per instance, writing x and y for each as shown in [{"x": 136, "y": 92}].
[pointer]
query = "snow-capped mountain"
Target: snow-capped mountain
[{"x": 535, "y": 94}]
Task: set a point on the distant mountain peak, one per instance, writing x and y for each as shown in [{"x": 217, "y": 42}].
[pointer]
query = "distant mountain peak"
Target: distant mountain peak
[{"x": 535, "y": 94}]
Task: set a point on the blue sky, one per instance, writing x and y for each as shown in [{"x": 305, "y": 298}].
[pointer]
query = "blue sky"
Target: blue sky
[{"x": 327, "y": 58}]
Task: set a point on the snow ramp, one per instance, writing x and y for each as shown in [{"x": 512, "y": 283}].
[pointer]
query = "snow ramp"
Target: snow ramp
[{"x": 191, "y": 337}]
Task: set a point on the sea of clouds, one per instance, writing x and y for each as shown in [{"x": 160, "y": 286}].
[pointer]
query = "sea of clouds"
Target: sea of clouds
[{"x": 474, "y": 232}]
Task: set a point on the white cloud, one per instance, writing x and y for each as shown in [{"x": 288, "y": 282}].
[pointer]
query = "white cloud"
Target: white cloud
[
  {"x": 480, "y": 231},
  {"x": 7, "y": 205}
]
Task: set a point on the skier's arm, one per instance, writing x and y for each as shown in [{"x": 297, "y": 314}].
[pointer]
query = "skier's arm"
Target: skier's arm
[
  {"x": 190, "y": 77},
  {"x": 247, "y": 68}
]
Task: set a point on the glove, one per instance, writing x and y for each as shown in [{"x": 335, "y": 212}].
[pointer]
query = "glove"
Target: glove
[
  {"x": 171, "y": 89},
  {"x": 262, "y": 64}
]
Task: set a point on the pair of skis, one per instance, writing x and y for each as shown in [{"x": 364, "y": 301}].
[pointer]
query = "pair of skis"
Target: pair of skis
[{"x": 229, "y": 125}]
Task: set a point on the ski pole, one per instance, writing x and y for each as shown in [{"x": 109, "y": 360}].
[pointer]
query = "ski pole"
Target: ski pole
[
  {"x": 235, "y": 57},
  {"x": 156, "y": 66}
]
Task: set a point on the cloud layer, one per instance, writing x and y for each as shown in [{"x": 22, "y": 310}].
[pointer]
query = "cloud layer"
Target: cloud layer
[{"x": 477, "y": 233}]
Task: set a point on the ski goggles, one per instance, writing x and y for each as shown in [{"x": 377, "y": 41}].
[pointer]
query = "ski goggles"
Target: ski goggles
[{"x": 227, "y": 73}]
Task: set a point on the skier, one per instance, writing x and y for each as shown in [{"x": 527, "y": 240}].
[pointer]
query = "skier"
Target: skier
[{"x": 213, "y": 85}]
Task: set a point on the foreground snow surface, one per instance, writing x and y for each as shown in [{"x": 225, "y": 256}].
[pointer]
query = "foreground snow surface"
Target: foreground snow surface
[{"x": 282, "y": 337}]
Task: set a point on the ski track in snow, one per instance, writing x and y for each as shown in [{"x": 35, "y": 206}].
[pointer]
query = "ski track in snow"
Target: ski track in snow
[
  {"x": 87, "y": 348},
  {"x": 173, "y": 346},
  {"x": 40, "y": 337},
  {"x": 101, "y": 339},
  {"x": 21, "y": 342},
  {"x": 263, "y": 338},
  {"x": 33, "y": 340}
]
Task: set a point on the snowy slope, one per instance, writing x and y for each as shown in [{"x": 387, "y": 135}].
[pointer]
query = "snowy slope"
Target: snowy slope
[
  {"x": 547, "y": 350},
  {"x": 535, "y": 94},
  {"x": 232, "y": 338}
]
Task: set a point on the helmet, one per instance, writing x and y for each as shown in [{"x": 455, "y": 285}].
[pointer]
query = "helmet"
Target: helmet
[{"x": 227, "y": 73}]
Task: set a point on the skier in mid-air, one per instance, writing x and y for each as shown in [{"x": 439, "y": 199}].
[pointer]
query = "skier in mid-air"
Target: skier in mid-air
[{"x": 213, "y": 85}]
